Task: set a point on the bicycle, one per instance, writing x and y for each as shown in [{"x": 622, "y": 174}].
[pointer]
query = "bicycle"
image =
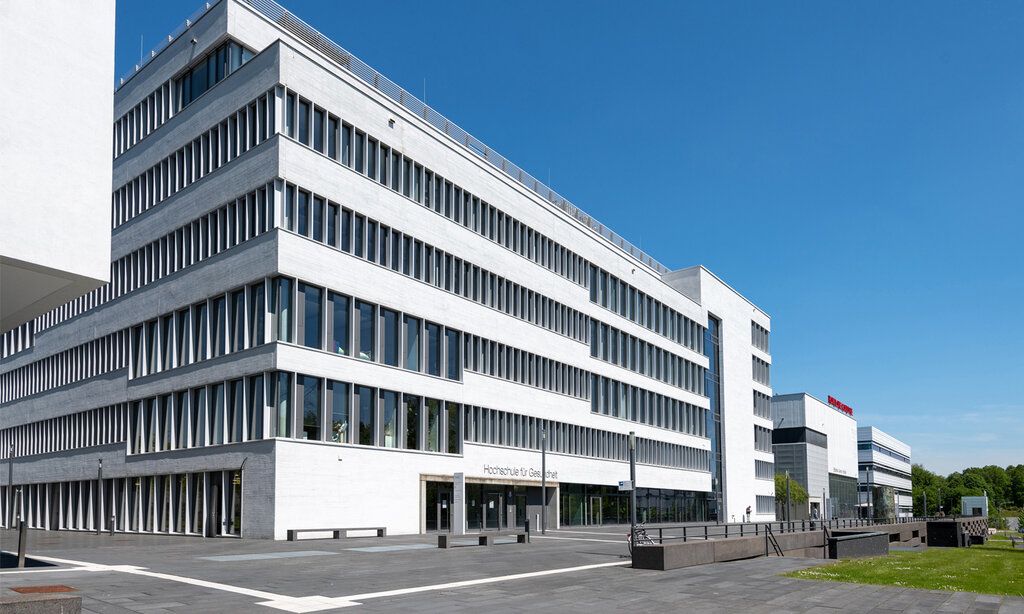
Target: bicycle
[{"x": 642, "y": 538}]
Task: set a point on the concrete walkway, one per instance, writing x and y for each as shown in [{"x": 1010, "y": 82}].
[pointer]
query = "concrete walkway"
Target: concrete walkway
[{"x": 130, "y": 573}]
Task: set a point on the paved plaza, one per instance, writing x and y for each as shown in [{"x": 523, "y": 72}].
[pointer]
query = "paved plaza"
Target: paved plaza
[{"x": 582, "y": 570}]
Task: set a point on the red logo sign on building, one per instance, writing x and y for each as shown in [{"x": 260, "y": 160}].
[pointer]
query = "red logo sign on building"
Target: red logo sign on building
[{"x": 843, "y": 407}]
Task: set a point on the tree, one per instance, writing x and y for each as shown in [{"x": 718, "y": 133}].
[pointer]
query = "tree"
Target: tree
[
  {"x": 1016, "y": 492},
  {"x": 1020, "y": 523},
  {"x": 926, "y": 482},
  {"x": 797, "y": 493}
]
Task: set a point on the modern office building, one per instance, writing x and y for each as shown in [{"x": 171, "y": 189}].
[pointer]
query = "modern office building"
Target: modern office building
[
  {"x": 330, "y": 306},
  {"x": 816, "y": 442},
  {"x": 54, "y": 158},
  {"x": 883, "y": 474}
]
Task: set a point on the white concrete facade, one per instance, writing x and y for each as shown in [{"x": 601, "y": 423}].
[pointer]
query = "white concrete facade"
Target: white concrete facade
[
  {"x": 884, "y": 463},
  {"x": 225, "y": 368},
  {"x": 54, "y": 154}
]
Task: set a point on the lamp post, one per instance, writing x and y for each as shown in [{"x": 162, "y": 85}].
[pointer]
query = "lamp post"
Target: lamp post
[
  {"x": 99, "y": 496},
  {"x": 632, "y": 489},
  {"x": 543, "y": 482}
]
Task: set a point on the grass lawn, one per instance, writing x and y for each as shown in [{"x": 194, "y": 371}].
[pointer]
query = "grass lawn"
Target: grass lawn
[{"x": 994, "y": 568}]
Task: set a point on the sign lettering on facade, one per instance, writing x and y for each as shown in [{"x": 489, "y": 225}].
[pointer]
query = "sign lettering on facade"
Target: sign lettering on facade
[{"x": 843, "y": 407}]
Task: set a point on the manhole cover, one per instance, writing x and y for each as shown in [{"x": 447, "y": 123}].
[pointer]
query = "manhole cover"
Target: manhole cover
[{"x": 49, "y": 588}]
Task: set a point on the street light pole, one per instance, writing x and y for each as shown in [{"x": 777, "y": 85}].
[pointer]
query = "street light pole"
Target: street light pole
[
  {"x": 543, "y": 482},
  {"x": 632, "y": 484},
  {"x": 99, "y": 496},
  {"x": 10, "y": 486}
]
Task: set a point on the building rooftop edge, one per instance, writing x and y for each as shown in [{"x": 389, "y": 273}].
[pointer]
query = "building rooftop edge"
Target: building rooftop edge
[
  {"x": 701, "y": 267},
  {"x": 288, "y": 21},
  {"x": 788, "y": 395}
]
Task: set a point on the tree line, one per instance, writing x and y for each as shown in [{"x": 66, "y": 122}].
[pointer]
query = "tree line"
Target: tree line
[{"x": 1005, "y": 488}]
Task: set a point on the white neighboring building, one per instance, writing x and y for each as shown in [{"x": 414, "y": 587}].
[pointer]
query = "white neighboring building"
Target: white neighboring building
[
  {"x": 327, "y": 300},
  {"x": 54, "y": 157},
  {"x": 883, "y": 474},
  {"x": 817, "y": 443}
]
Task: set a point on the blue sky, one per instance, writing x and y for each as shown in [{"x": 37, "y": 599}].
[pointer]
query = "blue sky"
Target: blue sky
[{"x": 853, "y": 168}]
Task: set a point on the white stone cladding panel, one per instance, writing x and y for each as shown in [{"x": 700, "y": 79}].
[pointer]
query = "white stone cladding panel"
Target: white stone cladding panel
[{"x": 326, "y": 485}]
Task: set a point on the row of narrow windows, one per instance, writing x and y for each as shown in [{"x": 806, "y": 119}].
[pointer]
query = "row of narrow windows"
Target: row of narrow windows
[
  {"x": 336, "y": 226},
  {"x": 234, "y": 222},
  {"x": 490, "y": 426},
  {"x": 169, "y": 97},
  {"x": 761, "y": 371},
  {"x": 93, "y": 358},
  {"x": 762, "y": 405},
  {"x": 640, "y": 308},
  {"x": 233, "y": 136},
  {"x": 764, "y": 470},
  {"x": 84, "y": 429},
  {"x": 762, "y": 439},
  {"x": 759, "y": 337},
  {"x": 506, "y": 362},
  {"x": 293, "y": 405},
  {"x": 610, "y": 397},
  {"x": 300, "y": 313},
  {"x": 324, "y": 132},
  {"x": 207, "y": 503},
  {"x": 624, "y": 350}
]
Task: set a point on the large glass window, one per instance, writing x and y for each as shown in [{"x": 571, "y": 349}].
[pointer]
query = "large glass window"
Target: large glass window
[
  {"x": 366, "y": 330},
  {"x": 282, "y": 308},
  {"x": 433, "y": 349},
  {"x": 389, "y": 418},
  {"x": 454, "y": 354},
  {"x": 412, "y": 343},
  {"x": 257, "y": 309},
  {"x": 339, "y": 323},
  {"x": 220, "y": 62},
  {"x": 412, "y": 422},
  {"x": 217, "y": 326},
  {"x": 282, "y": 424},
  {"x": 337, "y": 400},
  {"x": 390, "y": 337},
  {"x": 303, "y": 213},
  {"x": 318, "y": 130},
  {"x": 255, "y": 408},
  {"x": 198, "y": 409},
  {"x": 238, "y": 320},
  {"x": 454, "y": 430},
  {"x": 364, "y": 395},
  {"x": 309, "y": 324},
  {"x": 217, "y": 414},
  {"x": 309, "y": 392},
  {"x": 433, "y": 432},
  {"x": 303, "y": 122}
]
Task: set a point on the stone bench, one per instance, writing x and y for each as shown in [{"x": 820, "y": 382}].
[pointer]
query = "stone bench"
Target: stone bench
[
  {"x": 338, "y": 533},
  {"x": 444, "y": 540}
]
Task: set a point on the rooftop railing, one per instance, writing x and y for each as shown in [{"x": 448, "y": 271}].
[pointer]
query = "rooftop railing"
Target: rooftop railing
[
  {"x": 306, "y": 33},
  {"x": 199, "y": 12}
]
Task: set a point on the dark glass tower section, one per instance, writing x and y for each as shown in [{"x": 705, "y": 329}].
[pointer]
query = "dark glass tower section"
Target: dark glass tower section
[{"x": 713, "y": 350}]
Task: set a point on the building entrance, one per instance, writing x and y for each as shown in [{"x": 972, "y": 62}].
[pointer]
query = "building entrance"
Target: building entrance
[{"x": 595, "y": 517}]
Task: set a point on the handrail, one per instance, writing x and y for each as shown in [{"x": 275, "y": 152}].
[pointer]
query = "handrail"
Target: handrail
[{"x": 714, "y": 531}]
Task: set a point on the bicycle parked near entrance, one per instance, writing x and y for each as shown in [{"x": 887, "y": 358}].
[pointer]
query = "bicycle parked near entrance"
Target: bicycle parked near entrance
[{"x": 642, "y": 538}]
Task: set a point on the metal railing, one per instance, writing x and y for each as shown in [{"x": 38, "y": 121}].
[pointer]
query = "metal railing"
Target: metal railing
[
  {"x": 751, "y": 529},
  {"x": 306, "y": 33}
]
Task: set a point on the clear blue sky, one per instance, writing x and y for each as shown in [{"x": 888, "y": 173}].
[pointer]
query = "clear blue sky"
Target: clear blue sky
[{"x": 856, "y": 169}]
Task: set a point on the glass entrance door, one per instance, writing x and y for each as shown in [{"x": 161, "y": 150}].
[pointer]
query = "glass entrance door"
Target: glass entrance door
[
  {"x": 492, "y": 511},
  {"x": 595, "y": 517}
]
